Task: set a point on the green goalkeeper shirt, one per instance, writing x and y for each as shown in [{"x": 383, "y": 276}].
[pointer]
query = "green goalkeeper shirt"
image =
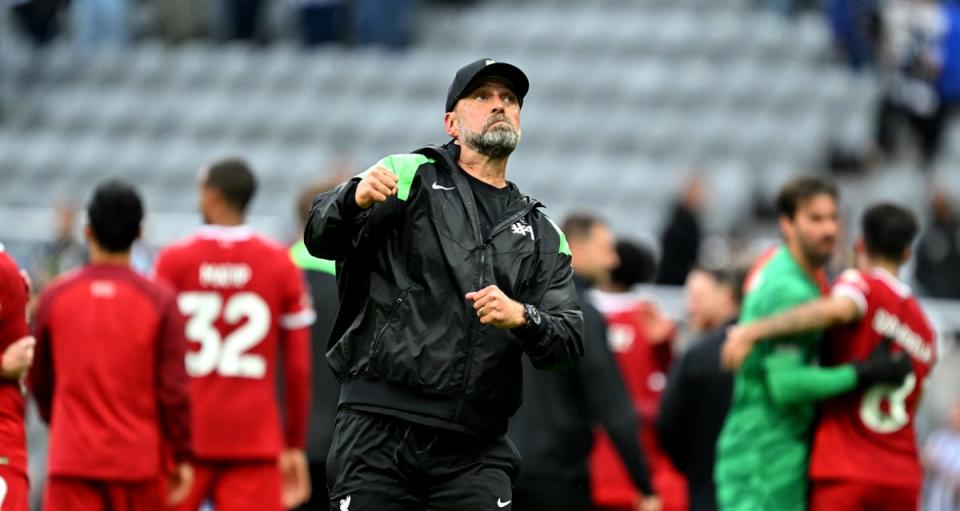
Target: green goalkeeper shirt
[{"x": 763, "y": 447}]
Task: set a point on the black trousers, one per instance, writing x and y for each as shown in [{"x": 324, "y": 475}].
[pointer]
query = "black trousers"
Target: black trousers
[
  {"x": 530, "y": 496},
  {"x": 319, "y": 498},
  {"x": 378, "y": 463}
]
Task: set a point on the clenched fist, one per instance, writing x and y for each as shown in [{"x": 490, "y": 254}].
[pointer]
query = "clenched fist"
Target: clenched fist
[
  {"x": 376, "y": 186},
  {"x": 495, "y": 308}
]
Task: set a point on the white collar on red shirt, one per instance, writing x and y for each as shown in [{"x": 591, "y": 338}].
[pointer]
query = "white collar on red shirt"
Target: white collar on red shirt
[
  {"x": 891, "y": 280},
  {"x": 226, "y": 232}
]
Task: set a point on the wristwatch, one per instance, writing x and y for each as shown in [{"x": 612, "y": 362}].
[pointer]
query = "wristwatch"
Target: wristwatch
[{"x": 531, "y": 314}]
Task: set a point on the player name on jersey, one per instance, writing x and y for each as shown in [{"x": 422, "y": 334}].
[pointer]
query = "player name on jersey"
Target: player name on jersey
[
  {"x": 225, "y": 275},
  {"x": 888, "y": 325}
]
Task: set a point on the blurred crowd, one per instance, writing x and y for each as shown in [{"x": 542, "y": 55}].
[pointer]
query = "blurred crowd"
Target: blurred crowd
[
  {"x": 104, "y": 24},
  {"x": 912, "y": 47}
]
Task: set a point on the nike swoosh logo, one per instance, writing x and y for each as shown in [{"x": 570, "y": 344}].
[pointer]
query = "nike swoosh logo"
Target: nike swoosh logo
[
  {"x": 503, "y": 504},
  {"x": 438, "y": 187}
]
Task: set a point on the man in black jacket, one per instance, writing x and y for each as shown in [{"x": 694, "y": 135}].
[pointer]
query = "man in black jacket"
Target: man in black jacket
[
  {"x": 695, "y": 402},
  {"x": 555, "y": 427},
  {"x": 447, "y": 275}
]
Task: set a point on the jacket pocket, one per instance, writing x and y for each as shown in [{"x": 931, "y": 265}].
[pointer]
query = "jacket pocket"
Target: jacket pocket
[{"x": 377, "y": 344}]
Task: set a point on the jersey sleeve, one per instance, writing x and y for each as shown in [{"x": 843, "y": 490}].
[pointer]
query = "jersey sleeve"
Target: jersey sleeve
[
  {"x": 297, "y": 316},
  {"x": 13, "y": 305},
  {"x": 297, "y": 308},
  {"x": 851, "y": 285},
  {"x": 172, "y": 381},
  {"x": 40, "y": 377}
]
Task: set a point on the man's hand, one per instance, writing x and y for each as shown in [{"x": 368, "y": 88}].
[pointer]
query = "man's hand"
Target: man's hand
[
  {"x": 883, "y": 366},
  {"x": 296, "y": 480},
  {"x": 648, "y": 504},
  {"x": 179, "y": 483},
  {"x": 376, "y": 186},
  {"x": 17, "y": 358},
  {"x": 494, "y": 308},
  {"x": 736, "y": 348}
]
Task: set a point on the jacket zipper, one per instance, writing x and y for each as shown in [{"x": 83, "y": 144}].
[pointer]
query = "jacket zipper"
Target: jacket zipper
[
  {"x": 378, "y": 337},
  {"x": 474, "y": 332}
]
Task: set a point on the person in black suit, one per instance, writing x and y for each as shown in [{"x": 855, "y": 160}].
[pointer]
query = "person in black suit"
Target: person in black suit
[{"x": 697, "y": 397}]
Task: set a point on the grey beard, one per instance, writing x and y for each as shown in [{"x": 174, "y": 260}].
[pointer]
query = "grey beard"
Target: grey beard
[{"x": 497, "y": 143}]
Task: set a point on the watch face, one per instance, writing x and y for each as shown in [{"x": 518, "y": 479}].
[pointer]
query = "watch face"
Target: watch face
[{"x": 533, "y": 315}]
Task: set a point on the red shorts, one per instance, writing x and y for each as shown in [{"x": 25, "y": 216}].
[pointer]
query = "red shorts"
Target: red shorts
[
  {"x": 14, "y": 490},
  {"x": 855, "y": 496},
  {"x": 67, "y": 493},
  {"x": 239, "y": 486}
]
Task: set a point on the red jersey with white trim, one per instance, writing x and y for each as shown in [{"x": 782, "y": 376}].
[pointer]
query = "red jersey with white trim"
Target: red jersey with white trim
[
  {"x": 246, "y": 304},
  {"x": 868, "y": 435},
  {"x": 640, "y": 339},
  {"x": 13, "y": 325}
]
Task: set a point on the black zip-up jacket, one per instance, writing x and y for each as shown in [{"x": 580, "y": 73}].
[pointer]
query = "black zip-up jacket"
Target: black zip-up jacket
[{"x": 406, "y": 338}]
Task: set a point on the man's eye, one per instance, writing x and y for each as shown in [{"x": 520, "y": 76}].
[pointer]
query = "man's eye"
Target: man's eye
[{"x": 480, "y": 97}]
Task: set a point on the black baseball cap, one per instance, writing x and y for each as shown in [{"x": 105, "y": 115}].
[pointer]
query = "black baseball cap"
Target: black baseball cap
[{"x": 469, "y": 75}]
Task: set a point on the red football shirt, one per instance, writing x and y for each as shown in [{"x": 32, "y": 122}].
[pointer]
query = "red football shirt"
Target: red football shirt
[
  {"x": 108, "y": 374},
  {"x": 246, "y": 303},
  {"x": 13, "y": 325},
  {"x": 868, "y": 435},
  {"x": 643, "y": 365}
]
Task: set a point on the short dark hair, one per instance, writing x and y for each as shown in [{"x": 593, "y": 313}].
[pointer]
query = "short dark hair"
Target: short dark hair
[
  {"x": 801, "y": 189},
  {"x": 888, "y": 230},
  {"x": 578, "y": 225},
  {"x": 234, "y": 179},
  {"x": 637, "y": 265},
  {"x": 731, "y": 277},
  {"x": 115, "y": 212}
]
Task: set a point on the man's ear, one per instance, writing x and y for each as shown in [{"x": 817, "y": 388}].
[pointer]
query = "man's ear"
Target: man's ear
[
  {"x": 786, "y": 227},
  {"x": 450, "y": 124}
]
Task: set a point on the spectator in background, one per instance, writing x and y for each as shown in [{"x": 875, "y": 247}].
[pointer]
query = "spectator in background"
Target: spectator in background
[
  {"x": 98, "y": 24},
  {"x": 322, "y": 281},
  {"x": 942, "y": 460},
  {"x": 321, "y": 21},
  {"x": 178, "y": 21},
  {"x": 938, "y": 251},
  {"x": 243, "y": 19},
  {"x": 38, "y": 19},
  {"x": 697, "y": 397},
  {"x": 554, "y": 428},
  {"x": 387, "y": 23},
  {"x": 851, "y": 23},
  {"x": 911, "y": 35},
  {"x": 61, "y": 254},
  {"x": 680, "y": 241},
  {"x": 641, "y": 340},
  {"x": 707, "y": 301}
]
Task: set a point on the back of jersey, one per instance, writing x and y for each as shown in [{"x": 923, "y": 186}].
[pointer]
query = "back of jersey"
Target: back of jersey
[
  {"x": 868, "y": 435},
  {"x": 95, "y": 379},
  {"x": 238, "y": 291}
]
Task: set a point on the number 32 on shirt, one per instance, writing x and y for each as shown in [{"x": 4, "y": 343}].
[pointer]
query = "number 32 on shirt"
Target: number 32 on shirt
[{"x": 227, "y": 356}]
